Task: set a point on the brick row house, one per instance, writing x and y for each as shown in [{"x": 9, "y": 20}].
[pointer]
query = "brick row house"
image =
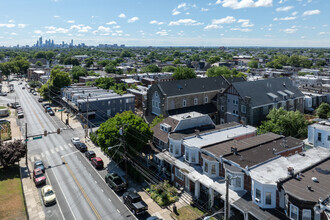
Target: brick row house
[{"x": 197, "y": 155}]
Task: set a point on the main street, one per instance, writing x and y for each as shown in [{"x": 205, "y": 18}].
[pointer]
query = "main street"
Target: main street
[{"x": 80, "y": 190}]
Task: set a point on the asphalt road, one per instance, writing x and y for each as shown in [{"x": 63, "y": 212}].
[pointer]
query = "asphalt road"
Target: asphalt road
[{"x": 80, "y": 190}]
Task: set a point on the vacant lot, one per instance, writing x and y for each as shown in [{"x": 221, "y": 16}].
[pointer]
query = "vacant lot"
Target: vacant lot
[{"x": 11, "y": 195}]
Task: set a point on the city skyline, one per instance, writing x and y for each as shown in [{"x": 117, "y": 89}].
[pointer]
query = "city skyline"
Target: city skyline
[{"x": 266, "y": 23}]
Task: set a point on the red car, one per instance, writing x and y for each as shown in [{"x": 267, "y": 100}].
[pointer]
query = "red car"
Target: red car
[
  {"x": 97, "y": 162},
  {"x": 38, "y": 177}
]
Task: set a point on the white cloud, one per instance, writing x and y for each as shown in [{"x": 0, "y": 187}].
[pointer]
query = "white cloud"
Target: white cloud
[
  {"x": 111, "y": 23},
  {"x": 187, "y": 13},
  {"x": 236, "y": 4},
  {"x": 291, "y": 30},
  {"x": 322, "y": 33},
  {"x": 81, "y": 28},
  {"x": 38, "y": 32},
  {"x": 175, "y": 12},
  {"x": 156, "y": 22},
  {"x": 204, "y": 9},
  {"x": 55, "y": 30},
  {"x": 116, "y": 27},
  {"x": 226, "y": 20},
  {"x": 286, "y": 8},
  {"x": 11, "y": 21},
  {"x": 104, "y": 29},
  {"x": 186, "y": 21},
  {"x": 13, "y": 34},
  {"x": 213, "y": 26},
  {"x": 132, "y": 20},
  {"x": 21, "y": 25},
  {"x": 285, "y": 19},
  {"x": 56, "y": 16},
  {"x": 245, "y": 23},
  {"x": 182, "y": 5},
  {"x": 294, "y": 13},
  {"x": 241, "y": 29},
  {"x": 70, "y": 21},
  {"x": 162, "y": 33},
  {"x": 122, "y": 15},
  {"x": 311, "y": 12},
  {"x": 8, "y": 25}
]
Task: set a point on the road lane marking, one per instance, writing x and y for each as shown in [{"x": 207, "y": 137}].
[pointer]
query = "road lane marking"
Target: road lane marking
[
  {"x": 70, "y": 145},
  {"x": 82, "y": 190},
  {"x": 118, "y": 211},
  {"x": 50, "y": 183},
  {"x": 56, "y": 149},
  {"x": 32, "y": 159},
  {"x": 109, "y": 200},
  {"x": 102, "y": 190},
  {"x": 42, "y": 155},
  {"x": 69, "y": 154},
  {"x": 61, "y": 148},
  {"x": 65, "y": 146},
  {"x": 47, "y": 153},
  {"x": 37, "y": 157},
  {"x": 53, "y": 152}
]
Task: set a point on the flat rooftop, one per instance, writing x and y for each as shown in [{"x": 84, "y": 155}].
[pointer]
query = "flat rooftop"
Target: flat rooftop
[
  {"x": 271, "y": 172},
  {"x": 218, "y": 136},
  {"x": 322, "y": 125}
]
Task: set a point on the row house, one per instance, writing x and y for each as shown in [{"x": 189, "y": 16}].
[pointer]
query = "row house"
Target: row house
[
  {"x": 319, "y": 134},
  {"x": 182, "y": 96},
  {"x": 250, "y": 102}
]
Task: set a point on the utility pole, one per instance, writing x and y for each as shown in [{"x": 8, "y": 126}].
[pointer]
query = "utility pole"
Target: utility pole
[
  {"x": 87, "y": 117},
  {"x": 26, "y": 150},
  {"x": 121, "y": 132},
  {"x": 227, "y": 199},
  {"x": 48, "y": 94}
]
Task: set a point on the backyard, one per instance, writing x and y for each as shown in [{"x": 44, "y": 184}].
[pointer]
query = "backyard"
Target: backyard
[
  {"x": 188, "y": 213},
  {"x": 11, "y": 195}
]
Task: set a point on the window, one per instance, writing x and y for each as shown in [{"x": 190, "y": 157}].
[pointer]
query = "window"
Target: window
[
  {"x": 306, "y": 214},
  {"x": 178, "y": 173},
  {"x": 319, "y": 136},
  {"x": 235, "y": 102},
  {"x": 238, "y": 182},
  {"x": 228, "y": 100},
  {"x": 171, "y": 148},
  {"x": 103, "y": 103},
  {"x": 156, "y": 94},
  {"x": 258, "y": 195},
  {"x": 176, "y": 151},
  {"x": 184, "y": 103},
  {"x": 222, "y": 108},
  {"x": 187, "y": 154},
  {"x": 206, "y": 99},
  {"x": 206, "y": 167},
  {"x": 153, "y": 103},
  {"x": 328, "y": 137},
  {"x": 109, "y": 102},
  {"x": 213, "y": 170},
  {"x": 243, "y": 108},
  {"x": 268, "y": 198},
  {"x": 120, "y": 101},
  {"x": 195, "y": 101},
  {"x": 294, "y": 212},
  {"x": 193, "y": 158}
]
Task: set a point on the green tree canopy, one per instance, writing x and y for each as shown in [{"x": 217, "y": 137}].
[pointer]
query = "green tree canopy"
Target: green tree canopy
[
  {"x": 39, "y": 63},
  {"x": 78, "y": 71},
  {"x": 224, "y": 71},
  {"x": 153, "y": 68},
  {"x": 213, "y": 59},
  {"x": 136, "y": 132},
  {"x": 287, "y": 123},
  {"x": 253, "y": 64},
  {"x": 183, "y": 73},
  {"x": 168, "y": 69},
  {"x": 323, "y": 111},
  {"x": 105, "y": 82},
  {"x": 58, "y": 79},
  {"x": 156, "y": 120},
  {"x": 12, "y": 152},
  {"x": 34, "y": 84}
]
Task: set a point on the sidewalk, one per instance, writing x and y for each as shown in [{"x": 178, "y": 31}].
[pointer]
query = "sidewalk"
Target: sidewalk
[{"x": 33, "y": 203}]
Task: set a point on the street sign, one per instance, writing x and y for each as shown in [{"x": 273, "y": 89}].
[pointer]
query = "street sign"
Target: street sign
[
  {"x": 35, "y": 138},
  {"x": 60, "y": 110},
  {"x": 26, "y": 139}
]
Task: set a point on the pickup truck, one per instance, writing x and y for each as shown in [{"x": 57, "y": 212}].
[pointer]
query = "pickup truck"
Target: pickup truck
[
  {"x": 115, "y": 182},
  {"x": 135, "y": 203}
]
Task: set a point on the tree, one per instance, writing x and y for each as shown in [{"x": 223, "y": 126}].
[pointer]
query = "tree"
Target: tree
[
  {"x": 58, "y": 79},
  {"x": 253, "y": 64},
  {"x": 136, "y": 132},
  {"x": 126, "y": 53},
  {"x": 156, "y": 120},
  {"x": 323, "y": 110},
  {"x": 168, "y": 69},
  {"x": 12, "y": 152},
  {"x": 287, "y": 123},
  {"x": 40, "y": 54},
  {"x": 213, "y": 59},
  {"x": 78, "y": 71},
  {"x": 183, "y": 73},
  {"x": 39, "y": 63},
  {"x": 110, "y": 68},
  {"x": 89, "y": 61},
  {"x": 104, "y": 82},
  {"x": 34, "y": 84},
  {"x": 50, "y": 55},
  {"x": 177, "y": 61},
  {"x": 153, "y": 68},
  {"x": 218, "y": 71}
]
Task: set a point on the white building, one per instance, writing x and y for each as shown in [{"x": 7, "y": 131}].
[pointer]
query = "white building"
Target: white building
[{"x": 319, "y": 134}]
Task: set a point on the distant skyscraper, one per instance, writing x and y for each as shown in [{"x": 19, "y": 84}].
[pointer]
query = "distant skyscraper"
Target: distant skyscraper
[{"x": 40, "y": 41}]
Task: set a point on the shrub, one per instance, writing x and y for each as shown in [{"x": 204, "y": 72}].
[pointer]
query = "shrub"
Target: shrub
[{"x": 163, "y": 193}]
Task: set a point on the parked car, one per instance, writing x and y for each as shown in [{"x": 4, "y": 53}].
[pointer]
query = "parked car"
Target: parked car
[
  {"x": 48, "y": 195},
  {"x": 3, "y": 94},
  {"x": 97, "y": 162},
  {"x": 39, "y": 164},
  {"x": 38, "y": 177},
  {"x": 40, "y": 99},
  {"x": 46, "y": 105},
  {"x": 115, "y": 182},
  {"x": 81, "y": 147},
  {"x": 75, "y": 141},
  {"x": 153, "y": 218},
  {"x": 135, "y": 203},
  {"x": 90, "y": 154},
  {"x": 20, "y": 115},
  {"x": 51, "y": 113},
  {"x": 23, "y": 87}
]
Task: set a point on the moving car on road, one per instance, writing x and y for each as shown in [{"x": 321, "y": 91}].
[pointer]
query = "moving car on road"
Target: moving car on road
[
  {"x": 39, "y": 164},
  {"x": 97, "y": 162},
  {"x": 90, "y": 154},
  {"x": 115, "y": 182},
  {"x": 48, "y": 195},
  {"x": 38, "y": 177},
  {"x": 135, "y": 203}
]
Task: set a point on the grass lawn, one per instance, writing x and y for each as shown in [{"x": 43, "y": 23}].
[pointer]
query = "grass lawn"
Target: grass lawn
[
  {"x": 11, "y": 195},
  {"x": 188, "y": 213},
  {"x": 3, "y": 107}
]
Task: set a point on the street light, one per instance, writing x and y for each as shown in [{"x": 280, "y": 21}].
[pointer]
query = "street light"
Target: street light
[
  {"x": 110, "y": 148},
  {"x": 209, "y": 217}
]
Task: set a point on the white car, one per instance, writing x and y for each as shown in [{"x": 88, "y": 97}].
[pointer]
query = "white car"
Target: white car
[
  {"x": 48, "y": 195},
  {"x": 75, "y": 141}
]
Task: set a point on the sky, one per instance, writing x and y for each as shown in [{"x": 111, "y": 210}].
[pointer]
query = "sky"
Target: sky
[{"x": 273, "y": 23}]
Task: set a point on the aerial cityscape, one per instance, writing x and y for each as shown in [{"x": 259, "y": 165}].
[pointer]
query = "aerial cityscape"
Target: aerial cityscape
[{"x": 165, "y": 110}]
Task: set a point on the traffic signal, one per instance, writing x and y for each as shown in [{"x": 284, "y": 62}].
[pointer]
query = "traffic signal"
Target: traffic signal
[
  {"x": 58, "y": 131},
  {"x": 45, "y": 133}
]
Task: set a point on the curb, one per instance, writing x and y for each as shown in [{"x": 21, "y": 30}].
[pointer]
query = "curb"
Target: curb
[{"x": 25, "y": 206}]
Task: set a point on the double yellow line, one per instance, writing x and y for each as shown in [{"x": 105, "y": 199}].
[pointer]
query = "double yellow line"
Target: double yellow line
[{"x": 83, "y": 191}]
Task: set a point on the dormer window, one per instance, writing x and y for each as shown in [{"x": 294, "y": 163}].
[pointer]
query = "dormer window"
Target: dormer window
[
  {"x": 272, "y": 96},
  {"x": 165, "y": 127},
  {"x": 184, "y": 103},
  {"x": 284, "y": 95}
]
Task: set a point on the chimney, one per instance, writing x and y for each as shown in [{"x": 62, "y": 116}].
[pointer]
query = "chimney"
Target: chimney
[
  {"x": 234, "y": 150},
  {"x": 197, "y": 133},
  {"x": 290, "y": 171}
]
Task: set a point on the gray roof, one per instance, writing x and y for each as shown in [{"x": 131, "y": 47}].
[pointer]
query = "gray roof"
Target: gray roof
[
  {"x": 262, "y": 91},
  {"x": 189, "y": 86}
]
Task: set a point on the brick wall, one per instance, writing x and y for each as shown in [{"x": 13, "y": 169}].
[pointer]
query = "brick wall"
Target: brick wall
[
  {"x": 247, "y": 183},
  {"x": 291, "y": 152}
]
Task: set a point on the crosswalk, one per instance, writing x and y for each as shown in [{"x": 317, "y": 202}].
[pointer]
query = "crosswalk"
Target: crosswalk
[{"x": 49, "y": 152}]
